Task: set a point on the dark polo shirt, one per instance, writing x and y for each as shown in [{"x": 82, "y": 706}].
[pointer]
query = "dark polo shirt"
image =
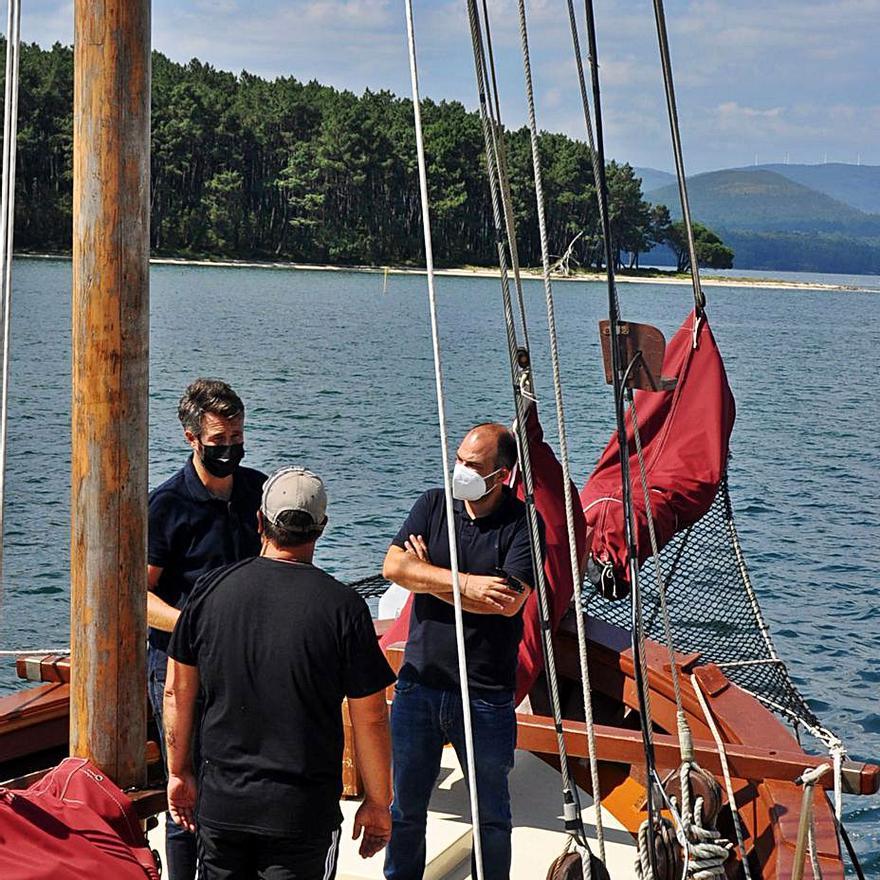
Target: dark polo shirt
[
  {"x": 491, "y": 544},
  {"x": 192, "y": 532}
]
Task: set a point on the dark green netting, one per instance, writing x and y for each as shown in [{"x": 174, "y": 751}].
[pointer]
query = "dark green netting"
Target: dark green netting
[{"x": 712, "y": 608}]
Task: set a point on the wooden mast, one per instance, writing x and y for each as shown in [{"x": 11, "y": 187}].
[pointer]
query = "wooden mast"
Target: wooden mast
[{"x": 111, "y": 185}]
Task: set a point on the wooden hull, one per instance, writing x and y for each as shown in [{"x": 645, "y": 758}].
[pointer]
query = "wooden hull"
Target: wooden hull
[
  {"x": 770, "y": 808},
  {"x": 763, "y": 755}
]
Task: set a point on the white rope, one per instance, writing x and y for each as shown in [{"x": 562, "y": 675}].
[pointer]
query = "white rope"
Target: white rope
[
  {"x": 707, "y": 850},
  {"x": 447, "y": 484},
  {"x": 806, "y": 844},
  {"x": 576, "y": 576},
  {"x": 837, "y": 755},
  {"x": 34, "y": 651},
  {"x": 585, "y": 101},
  {"x": 7, "y": 228},
  {"x": 811, "y": 849},
  {"x": 704, "y": 851},
  {"x": 569, "y": 792},
  {"x": 725, "y": 769},
  {"x": 493, "y": 106}
]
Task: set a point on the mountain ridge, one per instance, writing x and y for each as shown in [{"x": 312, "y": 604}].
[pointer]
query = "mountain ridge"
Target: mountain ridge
[
  {"x": 774, "y": 222},
  {"x": 855, "y": 185}
]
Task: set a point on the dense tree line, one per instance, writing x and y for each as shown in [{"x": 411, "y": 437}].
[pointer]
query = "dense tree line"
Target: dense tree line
[{"x": 245, "y": 167}]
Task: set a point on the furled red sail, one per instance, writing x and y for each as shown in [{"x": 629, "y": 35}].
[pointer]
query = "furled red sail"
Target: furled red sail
[
  {"x": 550, "y": 504},
  {"x": 73, "y": 823},
  {"x": 684, "y": 434}
]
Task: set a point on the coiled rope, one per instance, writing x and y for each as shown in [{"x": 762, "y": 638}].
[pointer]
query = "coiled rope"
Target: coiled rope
[{"x": 444, "y": 447}]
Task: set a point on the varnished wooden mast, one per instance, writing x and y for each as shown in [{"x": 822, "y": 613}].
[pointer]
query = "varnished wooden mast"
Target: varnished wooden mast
[{"x": 111, "y": 187}]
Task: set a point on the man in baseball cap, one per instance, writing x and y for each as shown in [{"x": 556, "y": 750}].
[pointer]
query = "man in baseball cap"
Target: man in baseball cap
[
  {"x": 275, "y": 643},
  {"x": 294, "y": 499}
]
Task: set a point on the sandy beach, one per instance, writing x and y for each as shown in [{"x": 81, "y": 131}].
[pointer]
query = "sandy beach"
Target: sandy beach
[
  {"x": 485, "y": 272},
  {"x": 529, "y": 274}
]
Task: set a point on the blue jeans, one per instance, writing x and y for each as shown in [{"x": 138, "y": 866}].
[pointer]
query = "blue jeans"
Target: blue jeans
[
  {"x": 180, "y": 844},
  {"x": 423, "y": 719}
]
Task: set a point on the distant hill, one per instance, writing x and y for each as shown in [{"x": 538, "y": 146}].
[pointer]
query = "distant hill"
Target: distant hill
[
  {"x": 760, "y": 200},
  {"x": 774, "y": 222},
  {"x": 653, "y": 178},
  {"x": 855, "y": 185}
]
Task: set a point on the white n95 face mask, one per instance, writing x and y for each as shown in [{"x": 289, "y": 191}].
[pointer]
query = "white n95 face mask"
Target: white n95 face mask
[{"x": 467, "y": 484}]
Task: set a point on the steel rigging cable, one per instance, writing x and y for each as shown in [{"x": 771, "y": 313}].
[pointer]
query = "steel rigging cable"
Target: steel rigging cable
[{"x": 617, "y": 371}]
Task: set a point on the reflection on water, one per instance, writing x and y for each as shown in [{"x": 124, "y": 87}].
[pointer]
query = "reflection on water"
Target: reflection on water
[{"x": 338, "y": 376}]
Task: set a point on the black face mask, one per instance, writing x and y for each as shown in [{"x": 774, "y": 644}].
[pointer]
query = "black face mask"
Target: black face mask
[{"x": 221, "y": 461}]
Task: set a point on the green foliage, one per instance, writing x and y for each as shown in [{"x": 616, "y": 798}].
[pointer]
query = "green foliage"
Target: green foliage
[
  {"x": 711, "y": 251},
  {"x": 855, "y": 185},
  {"x": 250, "y": 168},
  {"x": 811, "y": 252}
]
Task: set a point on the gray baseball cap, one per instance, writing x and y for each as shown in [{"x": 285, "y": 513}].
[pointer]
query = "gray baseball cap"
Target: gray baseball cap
[{"x": 295, "y": 489}]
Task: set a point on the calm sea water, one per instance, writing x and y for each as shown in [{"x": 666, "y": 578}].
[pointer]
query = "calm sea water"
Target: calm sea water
[{"x": 338, "y": 376}]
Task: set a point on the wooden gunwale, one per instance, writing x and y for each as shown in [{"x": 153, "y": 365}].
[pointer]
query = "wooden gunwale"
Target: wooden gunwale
[{"x": 772, "y": 806}]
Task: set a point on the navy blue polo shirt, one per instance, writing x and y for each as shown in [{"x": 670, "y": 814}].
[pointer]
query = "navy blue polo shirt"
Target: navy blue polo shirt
[
  {"x": 487, "y": 545},
  {"x": 192, "y": 532}
]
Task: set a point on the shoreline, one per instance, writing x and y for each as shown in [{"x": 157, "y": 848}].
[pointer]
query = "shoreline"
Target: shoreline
[{"x": 484, "y": 272}]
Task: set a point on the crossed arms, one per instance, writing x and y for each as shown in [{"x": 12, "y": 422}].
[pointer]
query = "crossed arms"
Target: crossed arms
[{"x": 480, "y": 594}]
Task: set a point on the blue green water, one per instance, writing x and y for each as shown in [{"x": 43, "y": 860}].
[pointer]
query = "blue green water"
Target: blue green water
[{"x": 338, "y": 375}]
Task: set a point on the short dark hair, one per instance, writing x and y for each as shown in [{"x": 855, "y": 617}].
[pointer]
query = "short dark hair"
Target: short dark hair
[
  {"x": 292, "y": 529},
  {"x": 507, "y": 454},
  {"x": 207, "y": 396}
]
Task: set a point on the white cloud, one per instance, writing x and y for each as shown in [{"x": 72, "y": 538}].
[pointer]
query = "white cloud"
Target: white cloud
[{"x": 788, "y": 76}]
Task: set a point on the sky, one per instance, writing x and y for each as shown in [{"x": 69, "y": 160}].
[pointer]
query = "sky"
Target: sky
[{"x": 756, "y": 80}]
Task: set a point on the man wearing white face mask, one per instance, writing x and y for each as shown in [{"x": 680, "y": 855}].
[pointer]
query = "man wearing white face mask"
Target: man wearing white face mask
[{"x": 495, "y": 564}]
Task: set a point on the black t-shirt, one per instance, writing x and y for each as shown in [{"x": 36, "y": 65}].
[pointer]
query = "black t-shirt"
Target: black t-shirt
[
  {"x": 491, "y": 544},
  {"x": 191, "y": 532},
  {"x": 277, "y": 645}
]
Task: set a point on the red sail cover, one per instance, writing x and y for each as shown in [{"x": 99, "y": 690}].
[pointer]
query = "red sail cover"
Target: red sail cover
[
  {"x": 685, "y": 435},
  {"x": 550, "y": 504},
  {"x": 73, "y": 823}
]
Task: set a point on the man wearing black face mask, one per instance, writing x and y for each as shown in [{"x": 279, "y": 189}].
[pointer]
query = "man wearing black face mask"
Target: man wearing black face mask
[{"x": 202, "y": 518}]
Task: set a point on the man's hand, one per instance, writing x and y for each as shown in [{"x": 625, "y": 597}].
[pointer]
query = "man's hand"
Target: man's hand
[
  {"x": 488, "y": 590},
  {"x": 182, "y": 799},
  {"x": 416, "y": 545},
  {"x": 375, "y": 822}
]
